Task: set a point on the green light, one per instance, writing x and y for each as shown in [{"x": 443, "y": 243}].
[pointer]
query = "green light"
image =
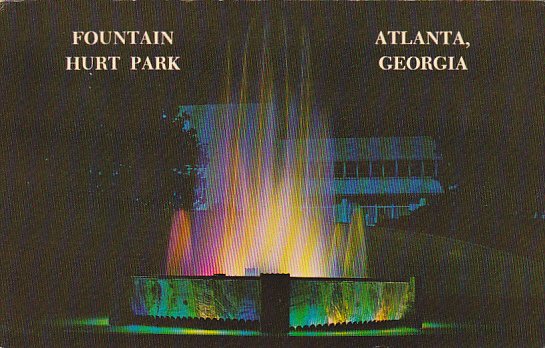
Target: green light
[
  {"x": 322, "y": 303},
  {"x": 196, "y": 298},
  {"x": 157, "y": 330},
  {"x": 435, "y": 325},
  {"x": 102, "y": 321},
  {"x": 400, "y": 331},
  {"x": 101, "y": 325}
]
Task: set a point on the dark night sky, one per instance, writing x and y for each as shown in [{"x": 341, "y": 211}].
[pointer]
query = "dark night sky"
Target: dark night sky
[
  {"x": 490, "y": 116},
  {"x": 504, "y": 62},
  {"x": 488, "y": 121}
]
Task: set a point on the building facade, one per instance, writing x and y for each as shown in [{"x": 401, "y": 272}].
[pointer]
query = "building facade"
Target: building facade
[{"x": 388, "y": 177}]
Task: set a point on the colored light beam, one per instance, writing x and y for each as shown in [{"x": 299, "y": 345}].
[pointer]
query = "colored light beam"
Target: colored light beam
[{"x": 269, "y": 186}]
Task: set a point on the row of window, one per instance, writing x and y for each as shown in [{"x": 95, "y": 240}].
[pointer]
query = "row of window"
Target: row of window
[{"x": 399, "y": 168}]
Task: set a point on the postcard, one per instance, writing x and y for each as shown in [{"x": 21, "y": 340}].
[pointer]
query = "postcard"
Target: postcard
[{"x": 299, "y": 173}]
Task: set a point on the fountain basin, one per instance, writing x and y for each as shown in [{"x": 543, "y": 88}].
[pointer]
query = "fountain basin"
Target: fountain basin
[{"x": 272, "y": 302}]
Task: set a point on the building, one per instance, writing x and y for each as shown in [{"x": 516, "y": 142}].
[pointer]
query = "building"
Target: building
[{"x": 389, "y": 177}]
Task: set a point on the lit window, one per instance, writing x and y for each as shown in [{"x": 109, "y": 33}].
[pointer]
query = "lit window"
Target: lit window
[
  {"x": 376, "y": 168},
  {"x": 389, "y": 168},
  {"x": 403, "y": 168}
]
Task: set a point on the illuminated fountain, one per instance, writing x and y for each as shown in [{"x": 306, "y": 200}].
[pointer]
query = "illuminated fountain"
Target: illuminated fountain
[
  {"x": 270, "y": 209},
  {"x": 269, "y": 187}
]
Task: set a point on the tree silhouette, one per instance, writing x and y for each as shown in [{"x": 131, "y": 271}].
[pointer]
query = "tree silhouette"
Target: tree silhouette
[{"x": 181, "y": 152}]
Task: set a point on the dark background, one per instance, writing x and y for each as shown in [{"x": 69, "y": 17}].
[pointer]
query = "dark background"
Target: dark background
[{"x": 67, "y": 232}]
